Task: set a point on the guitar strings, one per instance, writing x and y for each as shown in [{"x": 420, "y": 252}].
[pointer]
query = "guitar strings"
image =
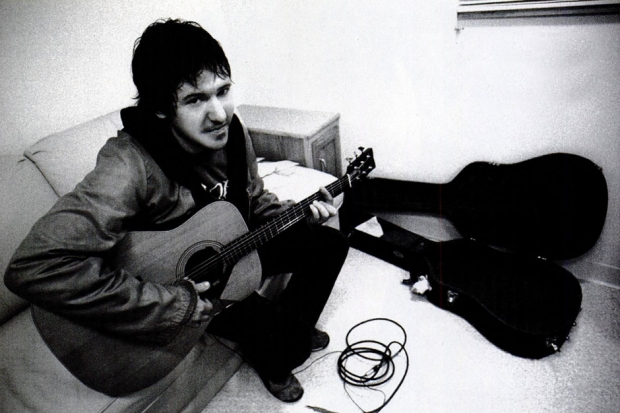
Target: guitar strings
[
  {"x": 241, "y": 244},
  {"x": 247, "y": 242}
]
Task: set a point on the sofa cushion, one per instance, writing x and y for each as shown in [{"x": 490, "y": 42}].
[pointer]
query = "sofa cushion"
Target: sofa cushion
[
  {"x": 25, "y": 197},
  {"x": 64, "y": 158}
]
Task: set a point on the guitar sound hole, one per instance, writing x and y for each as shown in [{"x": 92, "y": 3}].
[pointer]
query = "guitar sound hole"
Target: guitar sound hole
[{"x": 206, "y": 265}]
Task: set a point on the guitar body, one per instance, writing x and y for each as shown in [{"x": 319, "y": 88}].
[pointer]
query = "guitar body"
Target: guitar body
[
  {"x": 117, "y": 365},
  {"x": 162, "y": 256}
]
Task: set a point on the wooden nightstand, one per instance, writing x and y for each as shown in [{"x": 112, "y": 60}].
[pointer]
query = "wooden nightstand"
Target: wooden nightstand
[{"x": 310, "y": 138}]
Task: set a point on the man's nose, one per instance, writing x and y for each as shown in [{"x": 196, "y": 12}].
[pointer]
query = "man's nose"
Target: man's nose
[{"x": 216, "y": 112}]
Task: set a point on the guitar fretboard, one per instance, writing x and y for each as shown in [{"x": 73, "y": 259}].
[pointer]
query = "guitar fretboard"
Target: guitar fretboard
[
  {"x": 237, "y": 249},
  {"x": 243, "y": 245},
  {"x": 231, "y": 253}
]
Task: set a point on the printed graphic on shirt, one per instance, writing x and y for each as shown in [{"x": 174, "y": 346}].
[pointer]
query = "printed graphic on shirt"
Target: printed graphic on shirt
[{"x": 218, "y": 191}]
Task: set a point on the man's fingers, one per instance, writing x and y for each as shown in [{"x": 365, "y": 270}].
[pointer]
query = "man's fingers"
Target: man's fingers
[
  {"x": 326, "y": 195},
  {"x": 204, "y": 307},
  {"x": 201, "y": 287},
  {"x": 315, "y": 212},
  {"x": 331, "y": 209},
  {"x": 325, "y": 210},
  {"x": 321, "y": 209}
]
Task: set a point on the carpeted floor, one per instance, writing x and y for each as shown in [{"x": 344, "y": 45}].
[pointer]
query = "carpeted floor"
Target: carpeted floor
[{"x": 452, "y": 368}]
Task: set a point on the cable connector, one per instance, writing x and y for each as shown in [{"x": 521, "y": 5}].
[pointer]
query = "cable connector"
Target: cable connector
[{"x": 421, "y": 286}]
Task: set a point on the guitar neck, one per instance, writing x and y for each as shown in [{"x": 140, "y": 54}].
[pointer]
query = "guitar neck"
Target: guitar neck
[{"x": 250, "y": 241}]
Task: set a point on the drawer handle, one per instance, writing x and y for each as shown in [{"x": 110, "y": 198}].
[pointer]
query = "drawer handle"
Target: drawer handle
[{"x": 323, "y": 164}]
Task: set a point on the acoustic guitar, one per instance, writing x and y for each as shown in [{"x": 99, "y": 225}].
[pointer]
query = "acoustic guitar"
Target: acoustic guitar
[{"x": 213, "y": 245}]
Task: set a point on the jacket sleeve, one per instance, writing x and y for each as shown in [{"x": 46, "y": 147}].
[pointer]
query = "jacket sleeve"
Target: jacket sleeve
[{"x": 60, "y": 265}]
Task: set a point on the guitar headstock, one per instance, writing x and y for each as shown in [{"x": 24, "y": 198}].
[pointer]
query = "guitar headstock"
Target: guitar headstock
[{"x": 361, "y": 166}]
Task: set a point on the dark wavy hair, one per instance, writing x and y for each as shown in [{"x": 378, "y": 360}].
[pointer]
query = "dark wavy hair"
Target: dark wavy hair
[{"x": 168, "y": 54}]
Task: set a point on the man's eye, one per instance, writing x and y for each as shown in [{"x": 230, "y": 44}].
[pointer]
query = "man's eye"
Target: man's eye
[
  {"x": 224, "y": 92},
  {"x": 193, "y": 100}
]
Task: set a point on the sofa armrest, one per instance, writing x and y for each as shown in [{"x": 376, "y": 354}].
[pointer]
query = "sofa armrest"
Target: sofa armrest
[{"x": 25, "y": 196}]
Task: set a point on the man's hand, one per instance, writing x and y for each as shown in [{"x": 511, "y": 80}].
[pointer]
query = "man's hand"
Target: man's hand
[
  {"x": 203, "y": 307},
  {"x": 323, "y": 210}
]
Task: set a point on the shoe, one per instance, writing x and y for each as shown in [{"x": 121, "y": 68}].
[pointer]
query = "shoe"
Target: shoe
[
  {"x": 320, "y": 339},
  {"x": 289, "y": 390}
]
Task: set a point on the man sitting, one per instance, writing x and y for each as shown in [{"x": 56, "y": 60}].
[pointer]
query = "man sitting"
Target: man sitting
[{"x": 181, "y": 147}]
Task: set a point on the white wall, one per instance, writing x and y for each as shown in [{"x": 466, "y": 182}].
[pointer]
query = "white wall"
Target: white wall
[
  {"x": 386, "y": 66},
  {"x": 428, "y": 98},
  {"x": 534, "y": 86}
]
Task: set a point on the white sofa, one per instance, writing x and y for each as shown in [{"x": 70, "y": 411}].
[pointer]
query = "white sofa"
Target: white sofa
[{"x": 31, "y": 378}]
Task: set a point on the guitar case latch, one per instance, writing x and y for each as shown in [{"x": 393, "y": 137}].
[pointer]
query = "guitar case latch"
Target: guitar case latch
[
  {"x": 552, "y": 344},
  {"x": 452, "y": 296}
]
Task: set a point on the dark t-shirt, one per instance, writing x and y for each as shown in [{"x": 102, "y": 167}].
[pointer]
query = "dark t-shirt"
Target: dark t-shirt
[{"x": 211, "y": 168}]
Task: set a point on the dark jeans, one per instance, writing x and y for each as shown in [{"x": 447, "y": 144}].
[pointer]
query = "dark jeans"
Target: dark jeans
[{"x": 275, "y": 336}]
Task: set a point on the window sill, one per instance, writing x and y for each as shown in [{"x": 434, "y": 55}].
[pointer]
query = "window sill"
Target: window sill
[{"x": 568, "y": 8}]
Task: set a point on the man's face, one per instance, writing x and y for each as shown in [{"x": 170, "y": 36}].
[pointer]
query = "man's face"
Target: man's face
[{"x": 203, "y": 113}]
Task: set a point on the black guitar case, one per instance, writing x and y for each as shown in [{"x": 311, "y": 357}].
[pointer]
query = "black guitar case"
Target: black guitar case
[
  {"x": 552, "y": 206},
  {"x": 525, "y": 305},
  {"x": 515, "y": 219}
]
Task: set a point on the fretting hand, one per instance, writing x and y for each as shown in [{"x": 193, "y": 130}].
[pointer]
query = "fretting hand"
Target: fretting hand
[{"x": 322, "y": 210}]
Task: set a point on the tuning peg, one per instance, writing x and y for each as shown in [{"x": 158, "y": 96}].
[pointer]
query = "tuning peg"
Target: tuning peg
[
  {"x": 361, "y": 148},
  {"x": 349, "y": 160}
]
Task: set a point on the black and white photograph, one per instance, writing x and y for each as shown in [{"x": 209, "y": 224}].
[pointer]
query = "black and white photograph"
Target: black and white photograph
[{"x": 332, "y": 206}]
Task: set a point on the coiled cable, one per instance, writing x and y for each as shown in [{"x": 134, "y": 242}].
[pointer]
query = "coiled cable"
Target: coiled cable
[{"x": 379, "y": 355}]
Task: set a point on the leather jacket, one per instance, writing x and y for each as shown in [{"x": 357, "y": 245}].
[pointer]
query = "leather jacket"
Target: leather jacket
[{"x": 61, "y": 265}]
